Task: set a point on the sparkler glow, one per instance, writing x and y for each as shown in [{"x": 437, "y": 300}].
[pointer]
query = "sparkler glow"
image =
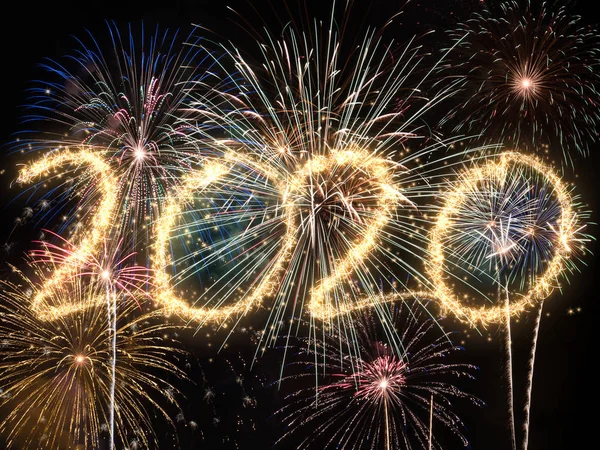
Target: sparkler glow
[
  {"x": 88, "y": 244},
  {"x": 164, "y": 294}
]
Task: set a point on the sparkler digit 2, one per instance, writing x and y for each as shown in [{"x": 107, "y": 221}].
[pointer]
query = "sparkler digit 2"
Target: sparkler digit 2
[{"x": 101, "y": 221}]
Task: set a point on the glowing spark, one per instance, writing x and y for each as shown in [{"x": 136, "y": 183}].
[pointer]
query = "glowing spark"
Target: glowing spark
[{"x": 140, "y": 154}]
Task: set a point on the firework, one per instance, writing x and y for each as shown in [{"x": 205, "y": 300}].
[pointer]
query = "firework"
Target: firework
[
  {"x": 224, "y": 407},
  {"x": 313, "y": 200},
  {"x": 110, "y": 270},
  {"x": 57, "y": 376},
  {"x": 116, "y": 271},
  {"x": 529, "y": 76},
  {"x": 124, "y": 102},
  {"x": 512, "y": 223},
  {"x": 386, "y": 396}
]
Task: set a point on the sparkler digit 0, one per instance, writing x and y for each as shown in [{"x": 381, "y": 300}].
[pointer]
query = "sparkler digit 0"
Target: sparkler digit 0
[
  {"x": 495, "y": 193},
  {"x": 216, "y": 173}
]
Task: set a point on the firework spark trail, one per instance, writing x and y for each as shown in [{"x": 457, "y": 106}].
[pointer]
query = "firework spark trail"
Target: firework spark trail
[
  {"x": 111, "y": 314},
  {"x": 509, "y": 369},
  {"x": 110, "y": 311},
  {"x": 387, "y": 423},
  {"x": 530, "y": 377},
  {"x": 430, "y": 422},
  {"x": 505, "y": 253}
]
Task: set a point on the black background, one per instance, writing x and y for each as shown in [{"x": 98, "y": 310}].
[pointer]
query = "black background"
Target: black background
[{"x": 565, "y": 396}]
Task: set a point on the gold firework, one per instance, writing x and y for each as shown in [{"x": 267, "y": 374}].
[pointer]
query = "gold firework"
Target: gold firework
[{"x": 56, "y": 375}]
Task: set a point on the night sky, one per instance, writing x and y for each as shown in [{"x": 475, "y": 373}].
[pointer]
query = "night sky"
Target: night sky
[{"x": 565, "y": 394}]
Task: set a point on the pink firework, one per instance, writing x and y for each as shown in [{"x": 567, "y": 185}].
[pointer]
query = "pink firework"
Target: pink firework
[
  {"x": 110, "y": 267},
  {"x": 393, "y": 392},
  {"x": 385, "y": 377}
]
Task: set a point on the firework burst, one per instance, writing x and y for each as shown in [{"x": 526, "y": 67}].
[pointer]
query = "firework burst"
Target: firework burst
[
  {"x": 57, "y": 376},
  {"x": 388, "y": 396},
  {"x": 529, "y": 76},
  {"x": 315, "y": 189},
  {"x": 124, "y": 102}
]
